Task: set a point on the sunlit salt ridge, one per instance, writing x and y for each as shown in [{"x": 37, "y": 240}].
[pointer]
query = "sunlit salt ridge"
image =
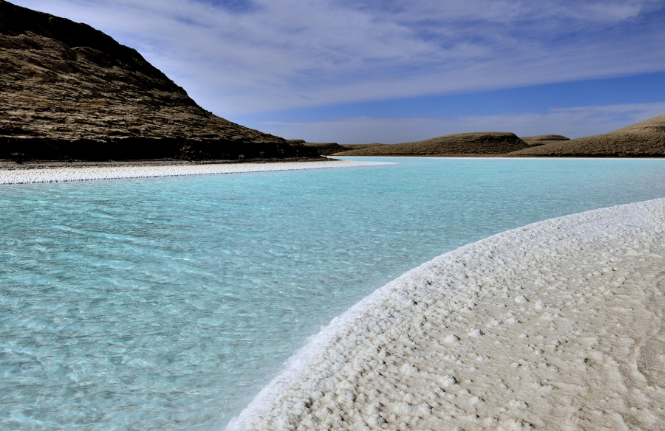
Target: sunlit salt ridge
[
  {"x": 345, "y": 371},
  {"x": 168, "y": 303},
  {"x": 58, "y": 175}
]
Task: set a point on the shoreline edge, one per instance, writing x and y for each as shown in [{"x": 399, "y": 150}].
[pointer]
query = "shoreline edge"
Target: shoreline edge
[
  {"x": 509, "y": 332},
  {"x": 71, "y": 174}
]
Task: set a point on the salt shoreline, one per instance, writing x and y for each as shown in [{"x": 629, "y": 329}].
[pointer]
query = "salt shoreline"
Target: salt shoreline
[
  {"x": 554, "y": 325},
  {"x": 68, "y": 174}
]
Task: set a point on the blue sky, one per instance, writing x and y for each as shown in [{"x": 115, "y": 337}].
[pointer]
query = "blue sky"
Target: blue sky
[{"x": 394, "y": 71}]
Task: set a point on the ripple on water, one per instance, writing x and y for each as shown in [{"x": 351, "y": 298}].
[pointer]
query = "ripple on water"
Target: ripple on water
[{"x": 167, "y": 303}]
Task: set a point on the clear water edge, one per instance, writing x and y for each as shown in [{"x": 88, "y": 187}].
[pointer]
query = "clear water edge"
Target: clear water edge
[{"x": 167, "y": 303}]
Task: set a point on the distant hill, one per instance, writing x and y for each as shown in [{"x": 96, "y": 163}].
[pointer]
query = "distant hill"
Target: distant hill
[
  {"x": 351, "y": 147},
  {"x": 325, "y": 149},
  {"x": 463, "y": 144},
  {"x": 645, "y": 139},
  {"x": 534, "y": 141},
  {"x": 69, "y": 91}
]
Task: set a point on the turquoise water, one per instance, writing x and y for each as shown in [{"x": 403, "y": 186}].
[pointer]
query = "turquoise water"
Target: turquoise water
[{"x": 167, "y": 303}]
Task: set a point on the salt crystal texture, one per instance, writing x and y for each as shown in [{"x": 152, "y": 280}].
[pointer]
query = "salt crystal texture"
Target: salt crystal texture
[
  {"x": 452, "y": 338},
  {"x": 430, "y": 380},
  {"x": 57, "y": 175}
]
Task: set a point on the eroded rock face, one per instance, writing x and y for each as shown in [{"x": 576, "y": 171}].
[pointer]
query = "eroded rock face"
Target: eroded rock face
[{"x": 69, "y": 91}]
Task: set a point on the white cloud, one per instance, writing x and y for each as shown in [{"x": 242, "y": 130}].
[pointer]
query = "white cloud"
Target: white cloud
[
  {"x": 572, "y": 122},
  {"x": 282, "y": 54}
]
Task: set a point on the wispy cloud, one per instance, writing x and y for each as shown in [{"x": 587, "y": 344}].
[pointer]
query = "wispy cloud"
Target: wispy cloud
[
  {"x": 572, "y": 122},
  {"x": 262, "y": 55}
]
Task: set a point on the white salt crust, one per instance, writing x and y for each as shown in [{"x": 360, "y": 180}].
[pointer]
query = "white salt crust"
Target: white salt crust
[
  {"x": 56, "y": 175},
  {"x": 557, "y": 325}
]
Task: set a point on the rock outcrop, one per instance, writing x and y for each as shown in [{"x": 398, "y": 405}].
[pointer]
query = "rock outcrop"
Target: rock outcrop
[
  {"x": 69, "y": 91},
  {"x": 463, "y": 144},
  {"x": 644, "y": 139}
]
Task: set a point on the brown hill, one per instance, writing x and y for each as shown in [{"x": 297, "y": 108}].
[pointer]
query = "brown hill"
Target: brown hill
[
  {"x": 69, "y": 91},
  {"x": 351, "y": 147},
  {"x": 463, "y": 144},
  {"x": 534, "y": 141},
  {"x": 645, "y": 139},
  {"x": 325, "y": 149}
]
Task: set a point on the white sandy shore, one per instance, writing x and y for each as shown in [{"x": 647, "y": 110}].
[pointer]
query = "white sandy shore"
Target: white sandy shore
[
  {"x": 556, "y": 326},
  {"x": 51, "y": 175}
]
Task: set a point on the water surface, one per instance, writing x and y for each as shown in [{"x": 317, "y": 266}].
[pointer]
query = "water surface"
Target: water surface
[{"x": 167, "y": 303}]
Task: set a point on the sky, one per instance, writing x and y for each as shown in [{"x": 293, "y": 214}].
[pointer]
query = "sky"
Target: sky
[{"x": 356, "y": 71}]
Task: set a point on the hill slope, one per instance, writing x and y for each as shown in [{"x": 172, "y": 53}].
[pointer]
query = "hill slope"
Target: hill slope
[
  {"x": 70, "y": 91},
  {"x": 483, "y": 143},
  {"x": 644, "y": 139},
  {"x": 325, "y": 149},
  {"x": 543, "y": 139}
]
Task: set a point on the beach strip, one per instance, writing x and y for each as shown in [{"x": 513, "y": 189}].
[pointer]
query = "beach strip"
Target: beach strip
[
  {"x": 557, "y": 325},
  {"x": 100, "y": 172}
]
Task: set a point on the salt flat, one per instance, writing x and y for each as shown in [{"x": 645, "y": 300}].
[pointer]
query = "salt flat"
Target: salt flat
[
  {"x": 100, "y": 172},
  {"x": 557, "y": 325}
]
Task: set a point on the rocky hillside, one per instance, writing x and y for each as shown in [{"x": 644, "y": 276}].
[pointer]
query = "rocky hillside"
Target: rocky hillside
[
  {"x": 645, "y": 139},
  {"x": 69, "y": 91},
  {"x": 463, "y": 144},
  {"x": 534, "y": 141}
]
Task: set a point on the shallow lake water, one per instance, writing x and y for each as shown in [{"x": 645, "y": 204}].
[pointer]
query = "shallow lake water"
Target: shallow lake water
[{"x": 167, "y": 303}]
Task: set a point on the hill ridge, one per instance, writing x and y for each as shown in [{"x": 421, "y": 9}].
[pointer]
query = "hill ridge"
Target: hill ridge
[
  {"x": 474, "y": 143},
  {"x": 73, "y": 92},
  {"x": 643, "y": 139}
]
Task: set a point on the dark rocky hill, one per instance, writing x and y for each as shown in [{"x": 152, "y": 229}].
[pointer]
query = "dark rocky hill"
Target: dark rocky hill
[
  {"x": 644, "y": 139},
  {"x": 463, "y": 144},
  {"x": 68, "y": 91}
]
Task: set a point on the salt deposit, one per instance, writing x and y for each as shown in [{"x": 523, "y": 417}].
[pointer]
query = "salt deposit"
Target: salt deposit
[
  {"x": 556, "y": 325},
  {"x": 54, "y": 175}
]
